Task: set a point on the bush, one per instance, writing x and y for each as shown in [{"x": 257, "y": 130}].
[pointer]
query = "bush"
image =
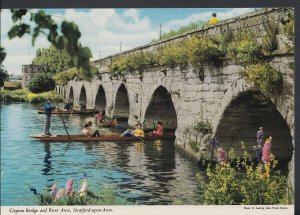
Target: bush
[
  {"x": 131, "y": 62},
  {"x": 267, "y": 79},
  {"x": 244, "y": 49},
  {"x": 203, "y": 50},
  {"x": 269, "y": 42},
  {"x": 172, "y": 56},
  {"x": 194, "y": 146},
  {"x": 62, "y": 78},
  {"x": 41, "y": 97},
  {"x": 203, "y": 127},
  {"x": 119, "y": 66},
  {"x": 41, "y": 82},
  {"x": 138, "y": 61},
  {"x": 244, "y": 183},
  {"x": 14, "y": 95},
  {"x": 289, "y": 26},
  {"x": 24, "y": 95}
]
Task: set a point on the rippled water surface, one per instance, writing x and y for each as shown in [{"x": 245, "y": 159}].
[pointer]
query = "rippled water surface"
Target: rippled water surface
[{"x": 145, "y": 173}]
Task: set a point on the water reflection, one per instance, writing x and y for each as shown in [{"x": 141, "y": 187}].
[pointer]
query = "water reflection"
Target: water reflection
[
  {"x": 47, "y": 159},
  {"x": 147, "y": 172}
]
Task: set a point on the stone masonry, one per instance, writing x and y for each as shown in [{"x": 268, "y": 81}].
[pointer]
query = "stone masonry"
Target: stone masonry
[{"x": 219, "y": 95}]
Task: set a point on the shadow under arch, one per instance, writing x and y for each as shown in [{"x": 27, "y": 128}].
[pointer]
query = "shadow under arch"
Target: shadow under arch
[
  {"x": 82, "y": 98},
  {"x": 122, "y": 106},
  {"x": 161, "y": 108},
  {"x": 71, "y": 95},
  {"x": 244, "y": 115},
  {"x": 100, "y": 101}
]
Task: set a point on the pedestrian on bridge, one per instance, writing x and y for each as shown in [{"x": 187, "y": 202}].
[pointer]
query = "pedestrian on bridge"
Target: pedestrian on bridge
[{"x": 213, "y": 20}]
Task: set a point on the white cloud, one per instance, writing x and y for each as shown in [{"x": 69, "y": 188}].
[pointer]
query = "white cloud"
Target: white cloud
[
  {"x": 19, "y": 50},
  {"x": 102, "y": 30}
]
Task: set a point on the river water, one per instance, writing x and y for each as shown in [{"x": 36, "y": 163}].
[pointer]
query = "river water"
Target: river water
[{"x": 146, "y": 173}]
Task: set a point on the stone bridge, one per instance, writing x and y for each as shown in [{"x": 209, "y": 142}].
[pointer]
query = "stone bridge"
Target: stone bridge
[{"x": 181, "y": 98}]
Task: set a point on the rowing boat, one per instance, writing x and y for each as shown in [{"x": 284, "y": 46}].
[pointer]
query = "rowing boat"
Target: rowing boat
[
  {"x": 104, "y": 137},
  {"x": 85, "y": 111},
  {"x": 112, "y": 123}
]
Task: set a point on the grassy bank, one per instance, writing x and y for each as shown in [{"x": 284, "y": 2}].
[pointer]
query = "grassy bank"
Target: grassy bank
[{"x": 24, "y": 95}]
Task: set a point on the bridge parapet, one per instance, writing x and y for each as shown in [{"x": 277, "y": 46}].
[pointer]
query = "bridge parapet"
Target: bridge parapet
[{"x": 253, "y": 21}]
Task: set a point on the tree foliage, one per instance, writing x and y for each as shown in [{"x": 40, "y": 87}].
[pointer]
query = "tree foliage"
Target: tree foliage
[
  {"x": 3, "y": 75},
  {"x": 52, "y": 59},
  {"x": 41, "y": 82},
  {"x": 2, "y": 54},
  {"x": 66, "y": 36}
]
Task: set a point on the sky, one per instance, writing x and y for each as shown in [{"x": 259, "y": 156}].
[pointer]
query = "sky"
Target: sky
[{"x": 102, "y": 30}]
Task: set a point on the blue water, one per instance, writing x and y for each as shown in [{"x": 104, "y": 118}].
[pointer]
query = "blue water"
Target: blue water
[{"x": 145, "y": 173}]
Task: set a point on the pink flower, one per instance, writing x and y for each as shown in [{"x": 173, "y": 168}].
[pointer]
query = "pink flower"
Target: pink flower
[
  {"x": 221, "y": 154},
  {"x": 59, "y": 194},
  {"x": 266, "y": 158},
  {"x": 69, "y": 187},
  {"x": 54, "y": 190}
]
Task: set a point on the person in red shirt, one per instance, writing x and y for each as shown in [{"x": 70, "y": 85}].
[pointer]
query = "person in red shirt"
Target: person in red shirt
[
  {"x": 100, "y": 116},
  {"x": 159, "y": 129}
]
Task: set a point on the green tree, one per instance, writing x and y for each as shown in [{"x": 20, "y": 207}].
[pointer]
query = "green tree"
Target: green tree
[
  {"x": 3, "y": 75},
  {"x": 41, "y": 82},
  {"x": 2, "y": 54},
  {"x": 53, "y": 59},
  {"x": 66, "y": 36}
]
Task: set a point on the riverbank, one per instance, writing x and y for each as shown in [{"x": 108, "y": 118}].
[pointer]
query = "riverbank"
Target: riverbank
[{"x": 24, "y": 95}]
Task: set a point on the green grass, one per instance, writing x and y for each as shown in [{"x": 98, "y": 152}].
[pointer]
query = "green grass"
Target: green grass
[{"x": 24, "y": 95}]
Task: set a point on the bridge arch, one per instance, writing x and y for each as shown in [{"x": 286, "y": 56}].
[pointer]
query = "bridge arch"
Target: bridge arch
[
  {"x": 243, "y": 111},
  {"x": 100, "y": 100},
  {"x": 161, "y": 108},
  {"x": 82, "y": 98},
  {"x": 121, "y": 108}
]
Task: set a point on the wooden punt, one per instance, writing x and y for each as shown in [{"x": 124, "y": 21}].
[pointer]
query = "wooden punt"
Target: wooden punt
[
  {"x": 112, "y": 123},
  {"x": 104, "y": 137},
  {"x": 85, "y": 111}
]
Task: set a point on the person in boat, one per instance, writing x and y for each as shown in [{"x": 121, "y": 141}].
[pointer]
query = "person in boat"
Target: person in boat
[
  {"x": 213, "y": 20},
  {"x": 159, "y": 131},
  {"x": 137, "y": 132},
  {"x": 67, "y": 105},
  {"x": 266, "y": 154},
  {"x": 100, "y": 116},
  {"x": 88, "y": 131},
  {"x": 48, "y": 108}
]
